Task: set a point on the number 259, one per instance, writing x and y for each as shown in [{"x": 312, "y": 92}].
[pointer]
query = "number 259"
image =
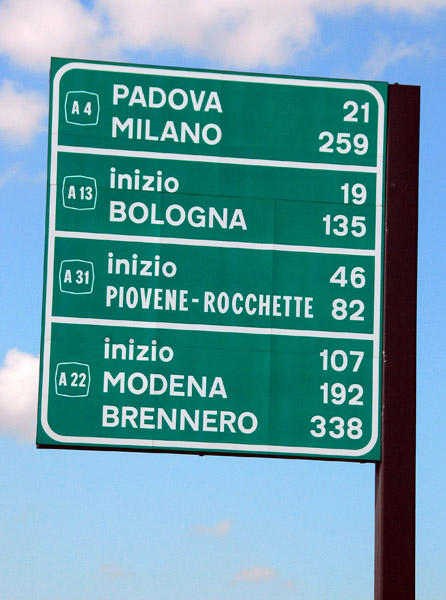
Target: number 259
[{"x": 344, "y": 143}]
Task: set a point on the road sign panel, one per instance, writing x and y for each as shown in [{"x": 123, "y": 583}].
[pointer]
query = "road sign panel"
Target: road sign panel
[{"x": 214, "y": 262}]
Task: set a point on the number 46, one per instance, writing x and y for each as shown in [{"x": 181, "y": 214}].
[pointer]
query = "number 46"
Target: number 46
[{"x": 356, "y": 277}]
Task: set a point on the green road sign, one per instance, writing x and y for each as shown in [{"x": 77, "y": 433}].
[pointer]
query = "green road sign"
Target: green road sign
[{"x": 213, "y": 275}]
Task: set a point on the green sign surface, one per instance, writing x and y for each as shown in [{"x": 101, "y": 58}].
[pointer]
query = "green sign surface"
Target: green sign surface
[{"x": 213, "y": 275}]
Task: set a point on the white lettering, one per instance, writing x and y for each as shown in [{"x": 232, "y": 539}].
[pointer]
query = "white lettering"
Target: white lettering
[
  {"x": 176, "y": 215},
  {"x": 156, "y": 97},
  {"x": 148, "y": 417}
]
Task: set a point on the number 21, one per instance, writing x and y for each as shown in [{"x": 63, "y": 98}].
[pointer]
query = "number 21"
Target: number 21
[{"x": 353, "y": 107}]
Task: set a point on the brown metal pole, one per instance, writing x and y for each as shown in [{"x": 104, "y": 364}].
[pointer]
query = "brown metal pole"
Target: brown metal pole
[{"x": 395, "y": 474}]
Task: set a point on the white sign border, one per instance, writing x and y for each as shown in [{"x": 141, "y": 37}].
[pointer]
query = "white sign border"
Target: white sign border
[{"x": 216, "y": 447}]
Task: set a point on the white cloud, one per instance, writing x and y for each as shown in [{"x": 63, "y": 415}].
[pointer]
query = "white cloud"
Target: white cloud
[
  {"x": 22, "y": 113},
  {"x": 416, "y": 6},
  {"x": 254, "y": 574},
  {"x": 111, "y": 572},
  {"x": 218, "y": 530},
  {"x": 237, "y": 33},
  {"x": 10, "y": 173},
  {"x": 386, "y": 54},
  {"x": 31, "y": 32},
  {"x": 16, "y": 172},
  {"x": 240, "y": 33},
  {"x": 19, "y": 378}
]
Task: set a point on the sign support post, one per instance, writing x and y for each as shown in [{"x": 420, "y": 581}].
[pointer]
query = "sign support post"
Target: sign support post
[
  {"x": 254, "y": 205},
  {"x": 395, "y": 474}
]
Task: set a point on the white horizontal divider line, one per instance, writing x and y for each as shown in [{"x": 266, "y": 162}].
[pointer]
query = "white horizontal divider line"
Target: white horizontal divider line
[
  {"x": 212, "y": 328},
  {"x": 111, "y": 237},
  {"x": 227, "y": 160}
]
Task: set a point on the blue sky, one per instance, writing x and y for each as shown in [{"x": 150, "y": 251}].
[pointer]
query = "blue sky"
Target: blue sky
[{"x": 113, "y": 525}]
